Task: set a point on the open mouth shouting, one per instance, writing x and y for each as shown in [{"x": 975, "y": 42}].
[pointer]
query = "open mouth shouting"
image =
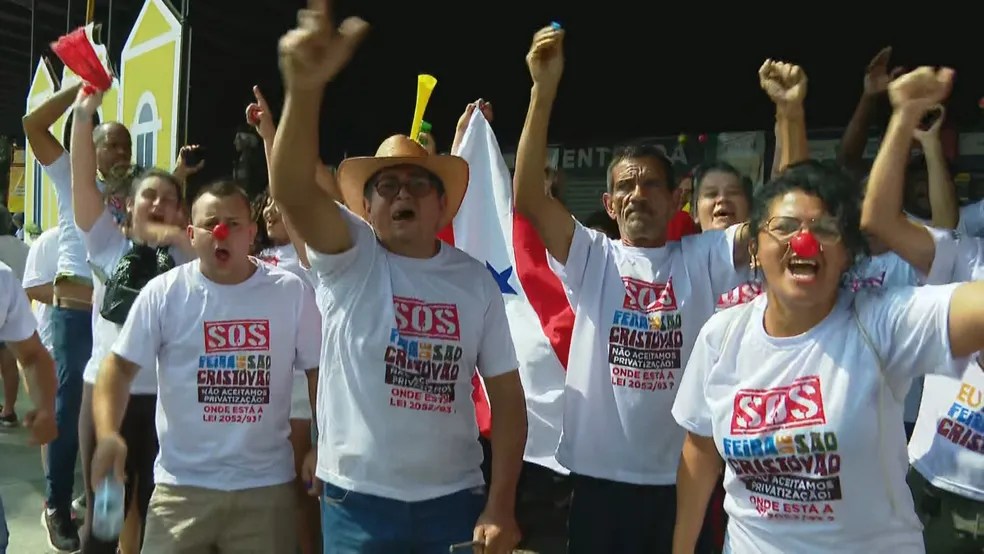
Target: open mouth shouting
[
  {"x": 803, "y": 270},
  {"x": 221, "y": 232},
  {"x": 404, "y": 214},
  {"x": 803, "y": 266},
  {"x": 724, "y": 215},
  {"x": 222, "y": 255}
]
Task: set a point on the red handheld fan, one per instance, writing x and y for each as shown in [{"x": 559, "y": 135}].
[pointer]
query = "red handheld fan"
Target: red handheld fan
[{"x": 77, "y": 51}]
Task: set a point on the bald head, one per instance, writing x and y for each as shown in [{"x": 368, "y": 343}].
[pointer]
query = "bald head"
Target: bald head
[
  {"x": 103, "y": 130},
  {"x": 113, "y": 146}
]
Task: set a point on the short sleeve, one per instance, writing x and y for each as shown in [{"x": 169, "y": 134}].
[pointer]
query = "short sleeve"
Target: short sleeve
[
  {"x": 910, "y": 328},
  {"x": 972, "y": 219},
  {"x": 690, "y": 408},
  {"x": 496, "y": 352},
  {"x": 588, "y": 247},
  {"x": 140, "y": 338},
  {"x": 42, "y": 264},
  {"x": 60, "y": 173},
  {"x": 713, "y": 253},
  {"x": 352, "y": 261},
  {"x": 307, "y": 353},
  {"x": 899, "y": 273},
  {"x": 103, "y": 240},
  {"x": 18, "y": 324},
  {"x": 957, "y": 258}
]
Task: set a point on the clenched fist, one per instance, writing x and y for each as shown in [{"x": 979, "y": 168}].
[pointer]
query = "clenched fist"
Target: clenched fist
[
  {"x": 315, "y": 52},
  {"x": 785, "y": 83},
  {"x": 918, "y": 91},
  {"x": 546, "y": 57}
]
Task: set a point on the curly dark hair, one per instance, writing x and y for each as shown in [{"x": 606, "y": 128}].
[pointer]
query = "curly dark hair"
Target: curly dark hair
[
  {"x": 256, "y": 208},
  {"x": 832, "y": 184}
]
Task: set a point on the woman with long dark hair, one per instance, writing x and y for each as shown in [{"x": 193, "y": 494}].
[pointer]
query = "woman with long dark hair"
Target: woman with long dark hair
[{"x": 123, "y": 255}]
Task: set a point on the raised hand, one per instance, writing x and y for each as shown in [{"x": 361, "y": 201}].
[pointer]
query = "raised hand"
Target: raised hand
[
  {"x": 259, "y": 116},
  {"x": 88, "y": 100},
  {"x": 877, "y": 76},
  {"x": 485, "y": 107},
  {"x": 315, "y": 51},
  {"x": 181, "y": 168},
  {"x": 546, "y": 57},
  {"x": 918, "y": 91},
  {"x": 785, "y": 83},
  {"x": 933, "y": 132}
]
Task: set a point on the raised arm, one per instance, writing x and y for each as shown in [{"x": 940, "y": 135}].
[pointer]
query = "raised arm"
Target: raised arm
[
  {"x": 310, "y": 57},
  {"x": 912, "y": 95},
  {"x": 548, "y": 215},
  {"x": 36, "y": 124},
  {"x": 87, "y": 201},
  {"x": 942, "y": 193},
  {"x": 855, "y": 138},
  {"x": 785, "y": 84},
  {"x": 465, "y": 119}
]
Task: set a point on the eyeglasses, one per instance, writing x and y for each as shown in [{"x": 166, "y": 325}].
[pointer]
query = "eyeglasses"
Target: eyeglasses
[
  {"x": 418, "y": 187},
  {"x": 784, "y": 228}
]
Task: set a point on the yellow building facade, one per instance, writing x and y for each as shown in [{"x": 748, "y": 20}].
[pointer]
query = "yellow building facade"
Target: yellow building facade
[{"x": 145, "y": 98}]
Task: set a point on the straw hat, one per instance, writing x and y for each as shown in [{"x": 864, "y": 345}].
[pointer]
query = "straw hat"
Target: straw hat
[{"x": 353, "y": 173}]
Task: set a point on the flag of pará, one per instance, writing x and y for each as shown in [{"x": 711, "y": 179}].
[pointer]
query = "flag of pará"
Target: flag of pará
[{"x": 540, "y": 317}]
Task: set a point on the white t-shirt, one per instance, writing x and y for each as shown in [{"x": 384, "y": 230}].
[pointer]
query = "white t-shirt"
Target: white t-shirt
[
  {"x": 225, "y": 357},
  {"x": 749, "y": 289},
  {"x": 16, "y": 322},
  {"x": 947, "y": 446},
  {"x": 106, "y": 245},
  {"x": 809, "y": 427},
  {"x": 972, "y": 219},
  {"x": 71, "y": 251},
  {"x": 40, "y": 269},
  {"x": 13, "y": 252},
  {"x": 888, "y": 270},
  {"x": 285, "y": 257},
  {"x": 402, "y": 338},
  {"x": 637, "y": 312}
]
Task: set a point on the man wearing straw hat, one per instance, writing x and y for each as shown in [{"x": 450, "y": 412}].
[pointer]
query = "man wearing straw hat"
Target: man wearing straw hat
[{"x": 406, "y": 321}]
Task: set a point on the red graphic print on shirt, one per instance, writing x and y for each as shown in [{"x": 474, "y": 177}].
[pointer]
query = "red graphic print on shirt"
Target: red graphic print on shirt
[
  {"x": 424, "y": 354},
  {"x": 234, "y": 371},
  {"x": 646, "y": 337},
  {"x": 779, "y": 450}
]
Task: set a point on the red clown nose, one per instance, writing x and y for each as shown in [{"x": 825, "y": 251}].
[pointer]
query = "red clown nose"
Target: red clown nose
[
  {"x": 805, "y": 245},
  {"x": 220, "y": 231}
]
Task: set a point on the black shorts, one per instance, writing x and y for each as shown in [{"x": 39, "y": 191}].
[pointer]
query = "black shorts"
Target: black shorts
[{"x": 140, "y": 433}]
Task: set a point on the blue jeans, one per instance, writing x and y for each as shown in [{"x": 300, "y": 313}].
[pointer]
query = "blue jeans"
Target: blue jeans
[
  {"x": 355, "y": 523},
  {"x": 71, "y": 338},
  {"x": 4, "y": 532}
]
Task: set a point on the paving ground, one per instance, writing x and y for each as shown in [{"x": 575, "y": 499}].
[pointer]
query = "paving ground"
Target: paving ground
[
  {"x": 22, "y": 491},
  {"x": 22, "y": 488}
]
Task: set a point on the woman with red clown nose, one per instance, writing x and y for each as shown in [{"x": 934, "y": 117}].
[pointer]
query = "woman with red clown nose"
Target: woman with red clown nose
[{"x": 798, "y": 395}]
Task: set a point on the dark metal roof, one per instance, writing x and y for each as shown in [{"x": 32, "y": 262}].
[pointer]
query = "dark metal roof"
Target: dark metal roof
[
  {"x": 634, "y": 68},
  {"x": 20, "y": 48}
]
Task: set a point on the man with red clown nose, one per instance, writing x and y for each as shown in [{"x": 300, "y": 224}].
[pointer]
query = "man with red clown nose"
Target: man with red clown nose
[{"x": 225, "y": 334}]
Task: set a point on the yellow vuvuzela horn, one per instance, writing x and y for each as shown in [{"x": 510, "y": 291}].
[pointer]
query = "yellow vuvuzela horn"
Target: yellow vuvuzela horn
[{"x": 425, "y": 86}]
